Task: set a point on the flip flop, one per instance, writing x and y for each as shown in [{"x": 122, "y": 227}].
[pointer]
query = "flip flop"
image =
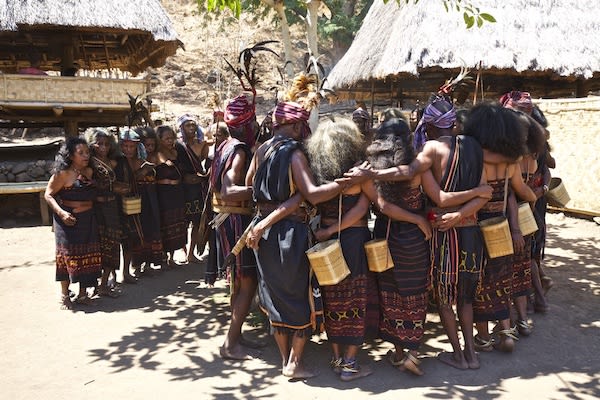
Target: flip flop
[{"x": 84, "y": 301}]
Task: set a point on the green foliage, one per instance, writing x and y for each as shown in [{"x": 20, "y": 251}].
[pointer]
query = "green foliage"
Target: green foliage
[
  {"x": 234, "y": 5},
  {"x": 471, "y": 13}
]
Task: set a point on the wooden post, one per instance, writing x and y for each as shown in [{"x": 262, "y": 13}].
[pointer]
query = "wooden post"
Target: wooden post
[
  {"x": 71, "y": 128},
  {"x": 583, "y": 87},
  {"x": 44, "y": 209},
  {"x": 372, "y": 101}
]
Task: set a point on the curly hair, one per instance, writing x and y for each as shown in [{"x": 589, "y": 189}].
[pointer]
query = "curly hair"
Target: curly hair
[
  {"x": 391, "y": 146},
  {"x": 63, "y": 159},
  {"x": 335, "y": 147},
  {"x": 497, "y": 129},
  {"x": 97, "y": 133}
]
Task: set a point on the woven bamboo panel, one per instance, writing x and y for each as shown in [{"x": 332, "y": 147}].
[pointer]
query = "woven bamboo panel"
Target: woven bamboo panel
[
  {"x": 574, "y": 126},
  {"x": 59, "y": 90}
]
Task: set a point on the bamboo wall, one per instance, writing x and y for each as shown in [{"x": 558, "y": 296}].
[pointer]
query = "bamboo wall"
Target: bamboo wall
[{"x": 574, "y": 126}]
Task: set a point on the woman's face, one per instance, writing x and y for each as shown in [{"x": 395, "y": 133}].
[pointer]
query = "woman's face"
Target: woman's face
[
  {"x": 102, "y": 146},
  {"x": 129, "y": 148},
  {"x": 167, "y": 139},
  {"x": 80, "y": 156},
  {"x": 150, "y": 145}
]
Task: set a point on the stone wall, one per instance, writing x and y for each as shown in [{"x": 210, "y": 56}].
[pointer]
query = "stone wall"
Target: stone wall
[
  {"x": 574, "y": 126},
  {"x": 25, "y": 171}
]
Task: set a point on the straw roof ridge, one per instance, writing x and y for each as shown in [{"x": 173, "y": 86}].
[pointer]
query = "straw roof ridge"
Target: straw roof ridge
[
  {"x": 558, "y": 38},
  {"x": 143, "y": 15}
]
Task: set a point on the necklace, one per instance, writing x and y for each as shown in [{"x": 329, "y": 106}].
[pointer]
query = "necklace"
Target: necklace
[{"x": 77, "y": 172}]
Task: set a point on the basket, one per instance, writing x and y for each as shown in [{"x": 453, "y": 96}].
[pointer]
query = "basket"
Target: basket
[
  {"x": 497, "y": 238},
  {"x": 132, "y": 205},
  {"x": 379, "y": 258},
  {"x": 328, "y": 263},
  {"x": 527, "y": 223},
  {"x": 557, "y": 194}
]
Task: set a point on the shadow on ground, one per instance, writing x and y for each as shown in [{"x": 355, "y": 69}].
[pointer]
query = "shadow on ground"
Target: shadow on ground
[{"x": 194, "y": 317}]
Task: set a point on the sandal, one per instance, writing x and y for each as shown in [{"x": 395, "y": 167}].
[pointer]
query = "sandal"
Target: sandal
[
  {"x": 351, "y": 371},
  {"x": 392, "y": 359},
  {"x": 336, "y": 364},
  {"x": 523, "y": 327},
  {"x": 506, "y": 340},
  {"x": 65, "y": 302},
  {"x": 482, "y": 344},
  {"x": 411, "y": 364}
]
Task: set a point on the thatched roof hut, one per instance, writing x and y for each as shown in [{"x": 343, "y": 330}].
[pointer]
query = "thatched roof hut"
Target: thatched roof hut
[
  {"x": 549, "y": 47},
  {"x": 126, "y": 34}
]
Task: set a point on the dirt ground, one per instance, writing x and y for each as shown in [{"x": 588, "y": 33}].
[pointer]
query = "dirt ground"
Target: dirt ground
[{"x": 160, "y": 339}]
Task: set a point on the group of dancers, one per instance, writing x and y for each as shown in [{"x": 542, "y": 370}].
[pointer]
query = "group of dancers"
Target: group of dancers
[{"x": 262, "y": 194}]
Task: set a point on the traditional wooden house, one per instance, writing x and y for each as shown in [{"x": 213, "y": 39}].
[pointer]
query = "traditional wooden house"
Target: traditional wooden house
[
  {"x": 548, "y": 47},
  {"x": 63, "y": 37}
]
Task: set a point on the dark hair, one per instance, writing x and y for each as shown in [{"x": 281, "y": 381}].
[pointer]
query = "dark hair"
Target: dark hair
[
  {"x": 497, "y": 129},
  {"x": 161, "y": 130},
  {"x": 92, "y": 139},
  {"x": 536, "y": 136},
  {"x": 391, "y": 113},
  {"x": 391, "y": 146},
  {"x": 146, "y": 133},
  {"x": 461, "y": 116},
  {"x": 539, "y": 116},
  {"x": 63, "y": 159}
]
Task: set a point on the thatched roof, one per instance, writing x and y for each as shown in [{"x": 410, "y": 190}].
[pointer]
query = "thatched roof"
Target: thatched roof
[
  {"x": 125, "y": 34},
  {"x": 546, "y": 43}
]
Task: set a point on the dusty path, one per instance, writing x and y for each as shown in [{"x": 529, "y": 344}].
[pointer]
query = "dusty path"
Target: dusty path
[{"x": 159, "y": 340}]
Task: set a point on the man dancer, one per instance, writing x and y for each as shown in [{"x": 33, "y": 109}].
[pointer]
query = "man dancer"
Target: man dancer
[{"x": 231, "y": 205}]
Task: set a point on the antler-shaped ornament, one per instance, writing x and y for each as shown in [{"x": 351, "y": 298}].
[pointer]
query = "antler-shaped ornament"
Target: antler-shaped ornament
[{"x": 247, "y": 70}]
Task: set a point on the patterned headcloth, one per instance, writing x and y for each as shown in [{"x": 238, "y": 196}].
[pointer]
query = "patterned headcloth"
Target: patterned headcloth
[
  {"x": 129, "y": 135},
  {"x": 289, "y": 112},
  {"x": 240, "y": 114},
  {"x": 187, "y": 118},
  {"x": 360, "y": 113},
  {"x": 435, "y": 117},
  {"x": 516, "y": 100}
]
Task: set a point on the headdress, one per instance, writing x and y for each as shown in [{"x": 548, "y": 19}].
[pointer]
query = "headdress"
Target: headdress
[
  {"x": 188, "y": 118},
  {"x": 432, "y": 115},
  {"x": 129, "y": 135},
  {"x": 517, "y": 100}
]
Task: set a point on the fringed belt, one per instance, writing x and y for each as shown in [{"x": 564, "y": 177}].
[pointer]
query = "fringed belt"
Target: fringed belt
[
  {"x": 493, "y": 206},
  {"x": 299, "y": 215},
  {"x": 168, "y": 181},
  {"x": 225, "y": 209},
  {"x": 105, "y": 199}
]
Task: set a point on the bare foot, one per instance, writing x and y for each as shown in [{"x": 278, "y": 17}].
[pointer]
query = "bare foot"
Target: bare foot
[
  {"x": 236, "y": 353},
  {"x": 65, "y": 302},
  {"x": 297, "y": 371},
  {"x": 453, "y": 359},
  {"x": 472, "y": 359}
]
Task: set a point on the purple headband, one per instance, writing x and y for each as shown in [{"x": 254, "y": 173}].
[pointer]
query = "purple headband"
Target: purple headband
[{"x": 431, "y": 115}]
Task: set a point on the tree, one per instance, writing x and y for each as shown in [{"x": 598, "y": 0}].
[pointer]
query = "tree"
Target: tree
[{"x": 341, "y": 24}]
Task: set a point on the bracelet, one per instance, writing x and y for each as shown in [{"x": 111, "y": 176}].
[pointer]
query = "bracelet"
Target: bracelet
[{"x": 545, "y": 188}]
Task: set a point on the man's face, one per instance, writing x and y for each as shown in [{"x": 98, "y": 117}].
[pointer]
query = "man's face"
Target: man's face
[{"x": 189, "y": 128}]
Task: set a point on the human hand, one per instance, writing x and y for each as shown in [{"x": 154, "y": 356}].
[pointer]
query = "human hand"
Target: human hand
[
  {"x": 322, "y": 234},
  {"x": 254, "y": 236},
  {"x": 357, "y": 174},
  {"x": 485, "y": 191},
  {"x": 169, "y": 163},
  {"x": 518, "y": 241},
  {"x": 425, "y": 227},
  {"x": 68, "y": 218},
  {"x": 447, "y": 221},
  {"x": 121, "y": 188}
]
